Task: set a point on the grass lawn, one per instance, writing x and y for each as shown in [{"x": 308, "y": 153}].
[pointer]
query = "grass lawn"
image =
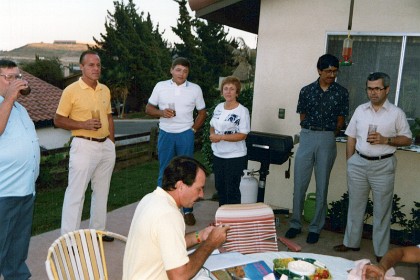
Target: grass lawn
[{"x": 127, "y": 186}]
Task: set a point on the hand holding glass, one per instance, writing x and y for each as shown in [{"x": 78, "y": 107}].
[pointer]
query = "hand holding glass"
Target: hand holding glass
[
  {"x": 96, "y": 116},
  {"x": 12, "y": 77}
]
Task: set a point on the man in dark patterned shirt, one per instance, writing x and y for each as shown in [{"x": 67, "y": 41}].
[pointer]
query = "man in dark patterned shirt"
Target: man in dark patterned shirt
[{"x": 323, "y": 106}]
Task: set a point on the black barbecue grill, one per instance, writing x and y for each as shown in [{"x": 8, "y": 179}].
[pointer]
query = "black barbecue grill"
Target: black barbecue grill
[{"x": 268, "y": 148}]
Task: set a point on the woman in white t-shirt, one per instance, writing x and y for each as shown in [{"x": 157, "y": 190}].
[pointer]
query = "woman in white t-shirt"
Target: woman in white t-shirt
[{"x": 229, "y": 128}]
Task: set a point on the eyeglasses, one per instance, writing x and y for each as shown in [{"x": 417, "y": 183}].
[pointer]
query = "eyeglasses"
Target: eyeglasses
[
  {"x": 375, "y": 89},
  {"x": 329, "y": 72},
  {"x": 12, "y": 77}
]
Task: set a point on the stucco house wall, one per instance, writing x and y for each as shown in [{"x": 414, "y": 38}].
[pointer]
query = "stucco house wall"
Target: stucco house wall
[{"x": 292, "y": 35}]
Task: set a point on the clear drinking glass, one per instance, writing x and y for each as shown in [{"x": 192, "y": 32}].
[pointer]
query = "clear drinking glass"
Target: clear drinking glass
[
  {"x": 171, "y": 106},
  {"x": 372, "y": 129},
  {"x": 96, "y": 115}
]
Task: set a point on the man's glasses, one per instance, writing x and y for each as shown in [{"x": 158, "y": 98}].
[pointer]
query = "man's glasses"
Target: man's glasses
[
  {"x": 12, "y": 77},
  {"x": 329, "y": 72},
  {"x": 375, "y": 89}
]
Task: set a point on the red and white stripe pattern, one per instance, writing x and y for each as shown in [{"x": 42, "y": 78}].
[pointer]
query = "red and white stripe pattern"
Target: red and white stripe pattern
[{"x": 252, "y": 227}]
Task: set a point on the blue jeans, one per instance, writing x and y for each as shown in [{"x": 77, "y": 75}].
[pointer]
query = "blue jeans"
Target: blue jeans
[
  {"x": 171, "y": 145},
  {"x": 16, "y": 215}
]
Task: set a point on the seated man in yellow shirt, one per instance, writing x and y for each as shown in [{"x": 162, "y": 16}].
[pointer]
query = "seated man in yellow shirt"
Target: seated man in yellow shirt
[{"x": 157, "y": 244}]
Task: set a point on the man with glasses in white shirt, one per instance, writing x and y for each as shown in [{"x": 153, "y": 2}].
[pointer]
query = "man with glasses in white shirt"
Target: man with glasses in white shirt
[{"x": 371, "y": 164}]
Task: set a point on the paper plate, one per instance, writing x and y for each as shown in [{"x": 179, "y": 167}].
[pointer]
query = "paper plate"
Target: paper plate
[{"x": 301, "y": 267}]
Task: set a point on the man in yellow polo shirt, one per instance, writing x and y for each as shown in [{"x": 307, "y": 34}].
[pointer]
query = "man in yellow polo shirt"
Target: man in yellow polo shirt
[{"x": 85, "y": 109}]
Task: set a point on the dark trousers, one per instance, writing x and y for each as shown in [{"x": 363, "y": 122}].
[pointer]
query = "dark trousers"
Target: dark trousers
[
  {"x": 16, "y": 215},
  {"x": 227, "y": 177}
]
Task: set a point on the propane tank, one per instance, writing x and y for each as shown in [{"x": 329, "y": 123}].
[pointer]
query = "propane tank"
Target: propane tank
[{"x": 248, "y": 187}]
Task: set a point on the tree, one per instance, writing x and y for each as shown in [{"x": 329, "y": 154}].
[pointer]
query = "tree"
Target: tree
[
  {"x": 134, "y": 56},
  {"x": 244, "y": 57},
  {"x": 217, "y": 52},
  {"x": 48, "y": 70},
  {"x": 189, "y": 47},
  {"x": 205, "y": 44}
]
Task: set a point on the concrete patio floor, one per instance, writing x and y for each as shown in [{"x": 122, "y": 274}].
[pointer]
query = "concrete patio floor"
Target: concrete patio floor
[{"x": 119, "y": 221}]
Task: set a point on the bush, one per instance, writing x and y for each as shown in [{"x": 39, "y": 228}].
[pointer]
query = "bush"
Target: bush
[
  {"x": 338, "y": 212},
  {"x": 412, "y": 229},
  {"x": 53, "y": 171},
  {"x": 409, "y": 235}
]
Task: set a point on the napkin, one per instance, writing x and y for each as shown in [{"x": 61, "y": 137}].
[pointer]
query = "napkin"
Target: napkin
[{"x": 356, "y": 272}]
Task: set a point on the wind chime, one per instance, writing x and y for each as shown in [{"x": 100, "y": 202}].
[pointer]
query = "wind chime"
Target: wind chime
[{"x": 348, "y": 42}]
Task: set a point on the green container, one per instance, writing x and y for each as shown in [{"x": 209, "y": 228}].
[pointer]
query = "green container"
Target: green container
[{"x": 309, "y": 207}]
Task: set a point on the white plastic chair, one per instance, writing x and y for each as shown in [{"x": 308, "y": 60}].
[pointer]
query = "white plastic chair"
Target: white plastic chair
[{"x": 79, "y": 255}]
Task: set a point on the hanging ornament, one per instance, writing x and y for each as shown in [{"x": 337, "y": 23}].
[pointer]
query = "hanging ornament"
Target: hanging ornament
[
  {"x": 348, "y": 42},
  {"x": 347, "y": 51}
]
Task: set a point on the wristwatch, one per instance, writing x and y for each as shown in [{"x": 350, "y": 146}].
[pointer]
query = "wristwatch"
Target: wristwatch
[
  {"x": 193, "y": 129},
  {"x": 389, "y": 141}
]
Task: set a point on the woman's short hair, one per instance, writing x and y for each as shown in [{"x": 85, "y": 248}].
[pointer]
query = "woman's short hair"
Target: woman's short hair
[{"x": 231, "y": 80}]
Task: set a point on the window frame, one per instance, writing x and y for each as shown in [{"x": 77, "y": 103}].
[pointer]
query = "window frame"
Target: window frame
[{"x": 403, "y": 35}]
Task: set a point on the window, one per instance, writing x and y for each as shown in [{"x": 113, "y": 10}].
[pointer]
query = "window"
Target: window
[{"x": 396, "y": 55}]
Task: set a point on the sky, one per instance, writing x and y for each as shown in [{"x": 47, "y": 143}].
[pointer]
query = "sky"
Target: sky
[{"x": 35, "y": 21}]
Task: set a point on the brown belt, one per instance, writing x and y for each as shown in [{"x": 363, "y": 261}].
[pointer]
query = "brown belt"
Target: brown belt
[{"x": 92, "y": 139}]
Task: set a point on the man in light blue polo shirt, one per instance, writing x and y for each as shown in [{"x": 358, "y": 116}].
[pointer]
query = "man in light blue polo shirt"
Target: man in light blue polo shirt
[
  {"x": 176, "y": 124},
  {"x": 19, "y": 169}
]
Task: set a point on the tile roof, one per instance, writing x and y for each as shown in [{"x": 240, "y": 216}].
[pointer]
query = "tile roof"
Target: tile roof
[{"x": 43, "y": 100}]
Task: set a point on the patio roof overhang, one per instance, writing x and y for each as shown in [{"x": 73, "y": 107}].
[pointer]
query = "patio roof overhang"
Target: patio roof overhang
[{"x": 240, "y": 14}]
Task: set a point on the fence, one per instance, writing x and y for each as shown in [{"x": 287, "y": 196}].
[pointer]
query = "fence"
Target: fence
[{"x": 55, "y": 162}]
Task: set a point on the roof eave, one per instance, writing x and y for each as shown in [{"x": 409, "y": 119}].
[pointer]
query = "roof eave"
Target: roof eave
[{"x": 239, "y": 14}]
